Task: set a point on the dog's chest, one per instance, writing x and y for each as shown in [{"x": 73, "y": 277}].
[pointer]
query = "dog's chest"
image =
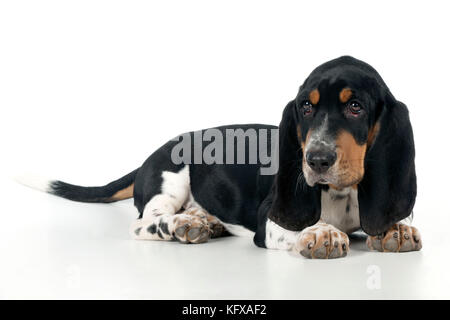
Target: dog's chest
[{"x": 340, "y": 208}]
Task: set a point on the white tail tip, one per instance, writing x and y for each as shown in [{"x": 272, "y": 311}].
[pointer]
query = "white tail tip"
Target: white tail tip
[{"x": 34, "y": 181}]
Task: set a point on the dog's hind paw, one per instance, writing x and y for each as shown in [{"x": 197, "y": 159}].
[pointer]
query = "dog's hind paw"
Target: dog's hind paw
[{"x": 190, "y": 229}]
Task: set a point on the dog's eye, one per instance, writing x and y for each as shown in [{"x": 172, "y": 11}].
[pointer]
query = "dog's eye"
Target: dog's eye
[
  {"x": 354, "y": 108},
  {"x": 307, "y": 107}
]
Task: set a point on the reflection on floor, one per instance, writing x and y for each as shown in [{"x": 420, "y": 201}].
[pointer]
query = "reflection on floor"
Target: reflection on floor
[{"x": 54, "y": 248}]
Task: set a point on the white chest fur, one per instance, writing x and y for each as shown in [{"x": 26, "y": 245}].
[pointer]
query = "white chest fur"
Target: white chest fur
[{"x": 340, "y": 208}]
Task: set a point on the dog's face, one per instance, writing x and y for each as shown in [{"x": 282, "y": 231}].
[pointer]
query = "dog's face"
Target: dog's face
[
  {"x": 335, "y": 107},
  {"x": 345, "y": 129}
]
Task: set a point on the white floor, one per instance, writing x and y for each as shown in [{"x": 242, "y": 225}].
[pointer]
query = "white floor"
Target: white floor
[{"x": 52, "y": 248}]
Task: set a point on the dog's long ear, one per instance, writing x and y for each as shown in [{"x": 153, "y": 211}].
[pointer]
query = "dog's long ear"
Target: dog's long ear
[
  {"x": 295, "y": 205},
  {"x": 388, "y": 190}
]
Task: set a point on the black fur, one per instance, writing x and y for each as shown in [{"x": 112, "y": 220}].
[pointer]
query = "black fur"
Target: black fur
[
  {"x": 295, "y": 205},
  {"x": 152, "y": 229},
  {"x": 232, "y": 191},
  {"x": 137, "y": 231},
  {"x": 387, "y": 191},
  {"x": 238, "y": 194},
  {"x": 91, "y": 194}
]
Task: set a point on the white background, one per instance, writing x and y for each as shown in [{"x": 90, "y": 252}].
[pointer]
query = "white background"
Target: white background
[{"x": 88, "y": 89}]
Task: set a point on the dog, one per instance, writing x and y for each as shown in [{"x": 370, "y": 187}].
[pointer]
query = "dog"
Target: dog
[{"x": 345, "y": 162}]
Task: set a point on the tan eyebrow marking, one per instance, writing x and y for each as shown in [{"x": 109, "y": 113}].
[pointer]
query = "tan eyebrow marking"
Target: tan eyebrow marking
[
  {"x": 345, "y": 95},
  {"x": 314, "y": 96}
]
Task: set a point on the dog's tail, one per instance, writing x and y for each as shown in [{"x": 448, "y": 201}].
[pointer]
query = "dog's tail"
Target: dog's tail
[{"x": 117, "y": 190}]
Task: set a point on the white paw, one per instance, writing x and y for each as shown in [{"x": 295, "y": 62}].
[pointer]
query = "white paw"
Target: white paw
[{"x": 322, "y": 241}]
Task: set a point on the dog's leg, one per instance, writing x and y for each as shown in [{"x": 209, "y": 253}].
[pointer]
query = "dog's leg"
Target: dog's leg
[
  {"x": 193, "y": 225},
  {"x": 163, "y": 220},
  {"x": 399, "y": 238},
  {"x": 320, "y": 241},
  {"x": 155, "y": 227},
  {"x": 157, "y": 219},
  {"x": 217, "y": 228},
  {"x": 279, "y": 238}
]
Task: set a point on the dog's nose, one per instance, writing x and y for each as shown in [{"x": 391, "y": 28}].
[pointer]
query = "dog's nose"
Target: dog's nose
[{"x": 320, "y": 161}]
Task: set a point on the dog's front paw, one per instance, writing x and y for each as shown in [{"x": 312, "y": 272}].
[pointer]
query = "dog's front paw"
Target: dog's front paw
[
  {"x": 399, "y": 238},
  {"x": 191, "y": 228},
  {"x": 322, "y": 241}
]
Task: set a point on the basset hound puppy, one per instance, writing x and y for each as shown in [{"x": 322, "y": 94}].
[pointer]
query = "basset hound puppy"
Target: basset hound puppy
[{"x": 341, "y": 160}]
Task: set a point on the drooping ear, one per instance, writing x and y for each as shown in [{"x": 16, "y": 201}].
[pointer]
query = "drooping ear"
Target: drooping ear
[
  {"x": 387, "y": 192},
  {"x": 294, "y": 204}
]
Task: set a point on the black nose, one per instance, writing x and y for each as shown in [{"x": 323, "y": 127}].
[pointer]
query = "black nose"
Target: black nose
[{"x": 320, "y": 161}]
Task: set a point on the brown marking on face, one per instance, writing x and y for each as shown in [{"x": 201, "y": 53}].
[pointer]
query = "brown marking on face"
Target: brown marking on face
[
  {"x": 314, "y": 96},
  {"x": 332, "y": 186},
  {"x": 373, "y": 132},
  {"x": 299, "y": 134},
  {"x": 124, "y": 193},
  {"x": 345, "y": 95},
  {"x": 350, "y": 159}
]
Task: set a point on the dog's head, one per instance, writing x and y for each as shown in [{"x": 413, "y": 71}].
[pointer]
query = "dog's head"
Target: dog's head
[
  {"x": 337, "y": 109},
  {"x": 346, "y": 129}
]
